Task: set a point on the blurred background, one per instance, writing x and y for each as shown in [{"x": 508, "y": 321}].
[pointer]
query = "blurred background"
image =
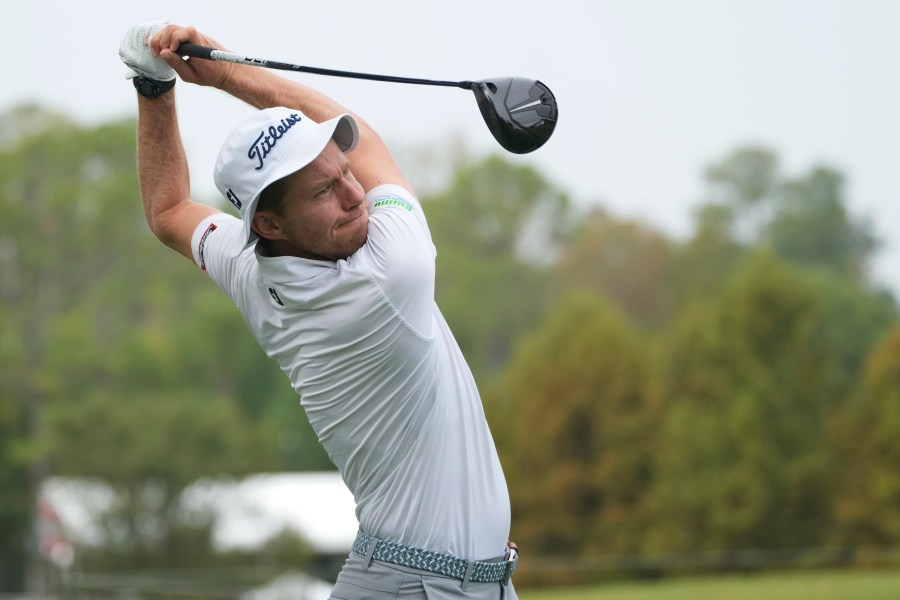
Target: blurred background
[{"x": 681, "y": 311}]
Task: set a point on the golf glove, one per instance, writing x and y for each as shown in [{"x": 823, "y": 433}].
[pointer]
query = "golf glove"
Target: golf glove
[{"x": 135, "y": 53}]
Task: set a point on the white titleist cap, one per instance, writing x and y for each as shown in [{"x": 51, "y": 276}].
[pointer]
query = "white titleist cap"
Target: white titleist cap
[{"x": 270, "y": 145}]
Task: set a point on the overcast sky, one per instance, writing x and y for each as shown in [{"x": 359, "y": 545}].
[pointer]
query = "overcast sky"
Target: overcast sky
[{"x": 649, "y": 91}]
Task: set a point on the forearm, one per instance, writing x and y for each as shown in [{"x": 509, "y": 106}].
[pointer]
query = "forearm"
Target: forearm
[
  {"x": 263, "y": 89},
  {"x": 162, "y": 164},
  {"x": 372, "y": 162},
  {"x": 164, "y": 177}
]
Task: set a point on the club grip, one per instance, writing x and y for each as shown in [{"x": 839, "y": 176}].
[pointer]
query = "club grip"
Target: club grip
[{"x": 195, "y": 51}]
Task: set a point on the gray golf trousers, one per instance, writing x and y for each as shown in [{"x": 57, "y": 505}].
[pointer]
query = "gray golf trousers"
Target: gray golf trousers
[{"x": 384, "y": 581}]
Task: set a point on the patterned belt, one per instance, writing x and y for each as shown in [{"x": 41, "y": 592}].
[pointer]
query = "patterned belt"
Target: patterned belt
[{"x": 435, "y": 562}]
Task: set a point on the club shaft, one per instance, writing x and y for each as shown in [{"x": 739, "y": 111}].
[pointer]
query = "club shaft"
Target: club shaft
[{"x": 197, "y": 51}]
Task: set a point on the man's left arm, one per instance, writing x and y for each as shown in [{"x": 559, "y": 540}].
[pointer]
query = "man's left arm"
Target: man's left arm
[
  {"x": 162, "y": 166},
  {"x": 163, "y": 173}
]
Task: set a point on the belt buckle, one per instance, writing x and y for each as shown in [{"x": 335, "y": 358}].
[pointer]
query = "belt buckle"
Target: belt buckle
[{"x": 511, "y": 563}]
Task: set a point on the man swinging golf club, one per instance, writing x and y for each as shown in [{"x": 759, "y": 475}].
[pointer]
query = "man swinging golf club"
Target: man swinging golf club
[{"x": 332, "y": 267}]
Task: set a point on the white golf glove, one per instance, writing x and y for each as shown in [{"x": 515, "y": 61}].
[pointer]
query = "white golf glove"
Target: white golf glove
[{"x": 135, "y": 53}]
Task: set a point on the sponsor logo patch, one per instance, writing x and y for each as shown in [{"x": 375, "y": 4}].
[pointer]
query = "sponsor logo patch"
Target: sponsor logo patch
[
  {"x": 393, "y": 201},
  {"x": 275, "y": 297},
  {"x": 209, "y": 230}
]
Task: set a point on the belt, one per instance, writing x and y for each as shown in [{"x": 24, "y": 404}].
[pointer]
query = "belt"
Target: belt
[{"x": 373, "y": 548}]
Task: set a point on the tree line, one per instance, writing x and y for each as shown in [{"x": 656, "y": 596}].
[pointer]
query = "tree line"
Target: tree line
[{"x": 737, "y": 389}]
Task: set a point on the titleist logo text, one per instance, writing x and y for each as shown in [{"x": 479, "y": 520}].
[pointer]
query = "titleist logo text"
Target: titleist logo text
[{"x": 267, "y": 139}]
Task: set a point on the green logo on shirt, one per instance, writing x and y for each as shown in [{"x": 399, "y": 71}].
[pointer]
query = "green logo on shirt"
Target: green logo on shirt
[{"x": 393, "y": 201}]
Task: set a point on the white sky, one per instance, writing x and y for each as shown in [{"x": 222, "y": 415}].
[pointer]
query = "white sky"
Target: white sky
[{"x": 650, "y": 91}]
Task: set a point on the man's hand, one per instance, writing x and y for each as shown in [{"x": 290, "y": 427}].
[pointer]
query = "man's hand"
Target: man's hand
[{"x": 164, "y": 45}]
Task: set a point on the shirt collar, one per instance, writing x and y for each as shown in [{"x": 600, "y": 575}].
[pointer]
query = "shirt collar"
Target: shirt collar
[{"x": 292, "y": 269}]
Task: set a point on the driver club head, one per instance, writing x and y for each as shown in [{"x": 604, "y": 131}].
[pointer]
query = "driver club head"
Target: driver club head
[{"x": 521, "y": 113}]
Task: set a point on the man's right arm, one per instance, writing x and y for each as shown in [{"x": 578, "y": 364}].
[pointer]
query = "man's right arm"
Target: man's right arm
[{"x": 371, "y": 161}]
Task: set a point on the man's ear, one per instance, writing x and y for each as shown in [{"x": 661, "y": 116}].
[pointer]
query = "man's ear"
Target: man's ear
[{"x": 266, "y": 225}]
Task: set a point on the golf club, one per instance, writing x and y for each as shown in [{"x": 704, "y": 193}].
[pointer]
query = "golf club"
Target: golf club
[{"x": 521, "y": 113}]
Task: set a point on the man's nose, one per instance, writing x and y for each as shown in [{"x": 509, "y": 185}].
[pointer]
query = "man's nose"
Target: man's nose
[{"x": 351, "y": 194}]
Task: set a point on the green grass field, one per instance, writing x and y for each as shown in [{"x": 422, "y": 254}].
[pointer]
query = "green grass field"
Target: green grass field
[{"x": 815, "y": 585}]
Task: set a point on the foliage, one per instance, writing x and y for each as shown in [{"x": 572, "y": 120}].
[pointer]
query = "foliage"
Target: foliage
[
  {"x": 496, "y": 228},
  {"x": 812, "y": 226},
  {"x": 868, "y": 505},
  {"x": 749, "y": 386},
  {"x": 803, "y": 219},
  {"x": 630, "y": 263},
  {"x": 120, "y": 360},
  {"x": 580, "y": 424}
]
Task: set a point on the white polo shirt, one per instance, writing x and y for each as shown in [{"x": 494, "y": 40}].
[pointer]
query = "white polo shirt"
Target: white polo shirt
[{"x": 379, "y": 374}]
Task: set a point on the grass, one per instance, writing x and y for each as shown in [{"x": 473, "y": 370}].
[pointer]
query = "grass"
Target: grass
[{"x": 815, "y": 585}]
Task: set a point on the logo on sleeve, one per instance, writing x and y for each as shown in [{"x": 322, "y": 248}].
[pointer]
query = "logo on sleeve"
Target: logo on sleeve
[
  {"x": 393, "y": 201},
  {"x": 202, "y": 247}
]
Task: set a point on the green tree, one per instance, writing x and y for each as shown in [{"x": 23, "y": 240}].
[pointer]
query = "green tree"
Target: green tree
[
  {"x": 866, "y": 434},
  {"x": 748, "y": 388},
  {"x": 803, "y": 219},
  {"x": 57, "y": 183},
  {"x": 148, "y": 447},
  {"x": 854, "y": 317},
  {"x": 496, "y": 228},
  {"x": 120, "y": 359},
  {"x": 16, "y": 504},
  {"x": 744, "y": 184},
  {"x": 576, "y": 431},
  {"x": 706, "y": 260},
  {"x": 812, "y": 226},
  {"x": 629, "y": 263}
]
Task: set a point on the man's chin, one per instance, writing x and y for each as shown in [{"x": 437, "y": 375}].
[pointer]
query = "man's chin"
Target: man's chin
[{"x": 356, "y": 241}]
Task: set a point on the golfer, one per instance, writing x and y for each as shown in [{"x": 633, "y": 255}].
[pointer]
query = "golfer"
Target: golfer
[{"x": 332, "y": 266}]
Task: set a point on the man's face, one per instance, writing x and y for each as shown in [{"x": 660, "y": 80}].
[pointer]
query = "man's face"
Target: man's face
[{"x": 324, "y": 214}]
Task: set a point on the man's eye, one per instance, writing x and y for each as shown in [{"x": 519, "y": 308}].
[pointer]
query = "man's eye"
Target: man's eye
[{"x": 324, "y": 191}]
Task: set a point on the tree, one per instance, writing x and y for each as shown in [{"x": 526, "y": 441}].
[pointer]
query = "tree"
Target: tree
[
  {"x": 496, "y": 228},
  {"x": 744, "y": 184},
  {"x": 57, "y": 185},
  {"x": 629, "y": 263},
  {"x": 812, "y": 226},
  {"x": 804, "y": 219},
  {"x": 868, "y": 470},
  {"x": 576, "y": 433},
  {"x": 748, "y": 388},
  {"x": 110, "y": 343},
  {"x": 148, "y": 447},
  {"x": 705, "y": 261}
]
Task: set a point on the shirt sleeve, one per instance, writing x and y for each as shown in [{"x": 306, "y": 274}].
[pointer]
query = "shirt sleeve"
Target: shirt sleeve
[
  {"x": 218, "y": 249},
  {"x": 401, "y": 254}
]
